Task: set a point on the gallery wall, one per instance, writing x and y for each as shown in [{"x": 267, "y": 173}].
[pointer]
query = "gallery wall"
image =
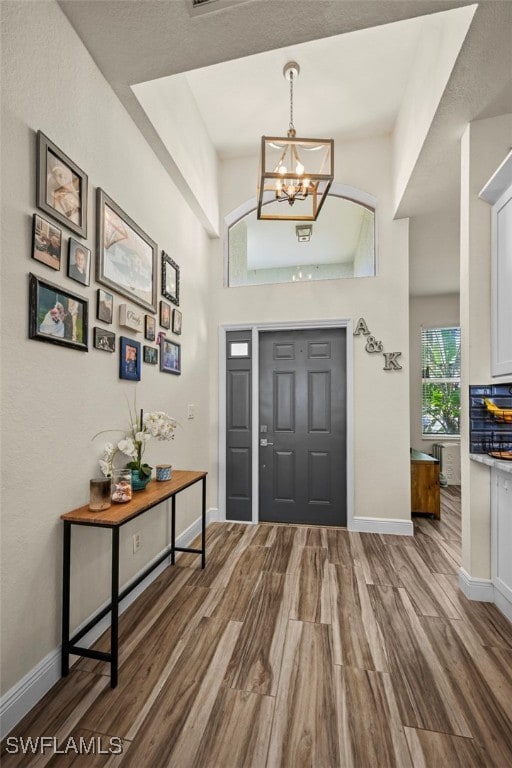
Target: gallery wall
[{"x": 54, "y": 399}]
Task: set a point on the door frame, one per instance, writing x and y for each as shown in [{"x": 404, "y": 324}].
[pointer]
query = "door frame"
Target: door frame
[{"x": 256, "y": 329}]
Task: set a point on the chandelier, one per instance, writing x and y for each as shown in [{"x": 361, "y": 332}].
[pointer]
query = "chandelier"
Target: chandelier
[{"x": 295, "y": 174}]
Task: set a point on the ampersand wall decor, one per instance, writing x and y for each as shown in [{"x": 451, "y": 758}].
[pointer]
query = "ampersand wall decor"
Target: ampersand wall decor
[{"x": 373, "y": 345}]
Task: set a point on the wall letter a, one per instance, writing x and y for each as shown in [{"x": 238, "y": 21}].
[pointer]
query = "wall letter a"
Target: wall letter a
[{"x": 361, "y": 327}]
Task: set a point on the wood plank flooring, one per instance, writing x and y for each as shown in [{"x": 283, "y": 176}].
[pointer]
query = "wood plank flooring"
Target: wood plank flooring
[{"x": 297, "y": 648}]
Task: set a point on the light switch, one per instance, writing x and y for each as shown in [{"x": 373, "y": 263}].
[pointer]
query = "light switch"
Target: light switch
[{"x": 191, "y": 412}]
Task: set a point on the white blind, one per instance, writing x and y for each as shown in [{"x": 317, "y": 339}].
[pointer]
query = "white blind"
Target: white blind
[{"x": 440, "y": 375}]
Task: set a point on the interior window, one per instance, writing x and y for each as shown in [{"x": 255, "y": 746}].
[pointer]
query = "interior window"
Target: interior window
[
  {"x": 341, "y": 243},
  {"x": 440, "y": 376}
]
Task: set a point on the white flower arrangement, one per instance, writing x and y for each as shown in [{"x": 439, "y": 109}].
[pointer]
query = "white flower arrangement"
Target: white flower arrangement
[{"x": 155, "y": 424}]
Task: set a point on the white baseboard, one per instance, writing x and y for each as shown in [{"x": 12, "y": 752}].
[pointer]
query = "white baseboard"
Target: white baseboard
[
  {"x": 382, "y": 525},
  {"x": 20, "y": 699},
  {"x": 503, "y": 603},
  {"x": 481, "y": 590}
]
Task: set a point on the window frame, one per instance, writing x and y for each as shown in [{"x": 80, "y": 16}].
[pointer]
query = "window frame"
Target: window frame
[{"x": 442, "y": 435}]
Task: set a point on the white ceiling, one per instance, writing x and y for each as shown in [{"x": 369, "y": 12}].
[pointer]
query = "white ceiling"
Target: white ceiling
[{"x": 234, "y": 56}]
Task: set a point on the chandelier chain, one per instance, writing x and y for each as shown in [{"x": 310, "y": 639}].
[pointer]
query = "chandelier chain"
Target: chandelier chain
[{"x": 291, "y": 101}]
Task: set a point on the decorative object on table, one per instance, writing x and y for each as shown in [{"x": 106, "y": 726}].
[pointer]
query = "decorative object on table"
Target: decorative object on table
[
  {"x": 176, "y": 322},
  {"x": 163, "y": 472},
  {"x": 170, "y": 356},
  {"x": 104, "y": 306},
  {"x": 149, "y": 327},
  {"x": 46, "y": 242},
  {"x": 143, "y": 427},
  {"x": 122, "y": 485},
  {"x": 129, "y": 359},
  {"x": 126, "y": 255},
  {"x": 104, "y": 340},
  {"x": 165, "y": 315},
  {"x": 298, "y": 172},
  {"x": 79, "y": 262},
  {"x": 100, "y": 492},
  {"x": 150, "y": 355},
  {"x": 56, "y": 315},
  {"x": 131, "y": 318},
  {"x": 170, "y": 279},
  {"x": 61, "y": 190}
]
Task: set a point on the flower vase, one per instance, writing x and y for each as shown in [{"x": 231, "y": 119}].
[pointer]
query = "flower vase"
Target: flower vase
[{"x": 139, "y": 480}]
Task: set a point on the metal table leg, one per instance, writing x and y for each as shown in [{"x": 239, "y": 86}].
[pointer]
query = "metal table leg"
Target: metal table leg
[
  {"x": 114, "y": 627},
  {"x": 66, "y": 597},
  {"x": 203, "y": 527}
]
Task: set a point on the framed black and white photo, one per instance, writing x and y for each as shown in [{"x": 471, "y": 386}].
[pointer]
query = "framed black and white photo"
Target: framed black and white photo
[
  {"x": 46, "y": 242},
  {"x": 79, "y": 262},
  {"x": 150, "y": 355},
  {"x": 61, "y": 186},
  {"x": 170, "y": 279},
  {"x": 104, "y": 306},
  {"x": 165, "y": 315},
  {"x": 170, "y": 356},
  {"x": 149, "y": 327},
  {"x": 126, "y": 257},
  {"x": 105, "y": 340},
  {"x": 56, "y": 315},
  {"x": 176, "y": 322},
  {"x": 129, "y": 359}
]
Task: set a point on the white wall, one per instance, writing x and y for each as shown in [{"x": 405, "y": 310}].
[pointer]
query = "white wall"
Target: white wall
[
  {"x": 425, "y": 312},
  {"x": 381, "y": 408},
  {"x": 55, "y": 399},
  {"x": 484, "y": 146}
]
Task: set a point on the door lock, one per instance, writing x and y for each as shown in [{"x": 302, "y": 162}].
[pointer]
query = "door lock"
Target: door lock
[{"x": 264, "y": 442}]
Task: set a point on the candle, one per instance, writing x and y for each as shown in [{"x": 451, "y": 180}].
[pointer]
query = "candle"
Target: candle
[{"x": 99, "y": 496}]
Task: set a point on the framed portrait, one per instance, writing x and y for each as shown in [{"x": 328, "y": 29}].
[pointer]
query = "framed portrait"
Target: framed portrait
[
  {"x": 129, "y": 359},
  {"x": 149, "y": 327},
  {"x": 79, "y": 262},
  {"x": 176, "y": 321},
  {"x": 165, "y": 315},
  {"x": 56, "y": 315},
  {"x": 61, "y": 186},
  {"x": 150, "y": 355},
  {"x": 46, "y": 242},
  {"x": 126, "y": 257},
  {"x": 104, "y": 306},
  {"x": 170, "y": 356},
  {"x": 170, "y": 279},
  {"x": 105, "y": 340}
]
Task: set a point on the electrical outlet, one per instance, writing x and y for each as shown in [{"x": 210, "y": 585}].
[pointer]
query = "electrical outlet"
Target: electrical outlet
[
  {"x": 137, "y": 541},
  {"x": 191, "y": 412}
]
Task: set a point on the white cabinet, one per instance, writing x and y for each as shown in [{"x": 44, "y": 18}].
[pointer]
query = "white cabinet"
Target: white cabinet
[{"x": 501, "y": 539}]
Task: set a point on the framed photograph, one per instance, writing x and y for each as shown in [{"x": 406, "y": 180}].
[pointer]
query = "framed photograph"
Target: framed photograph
[
  {"x": 150, "y": 355},
  {"x": 126, "y": 257},
  {"x": 104, "y": 306},
  {"x": 61, "y": 186},
  {"x": 170, "y": 356},
  {"x": 170, "y": 279},
  {"x": 79, "y": 262},
  {"x": 56, "y": 315},
  {"x": 149, "y": 327},
  {"x": 129, "y": 359},
  {"x": 46, "y": 242},
  {"x": 165, "y": 315},
  {"x": 105, "y": 340},
  {"x": 176, "y": 321}
]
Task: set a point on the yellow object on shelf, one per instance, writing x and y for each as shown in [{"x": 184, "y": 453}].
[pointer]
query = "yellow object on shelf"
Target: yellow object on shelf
[{"x": 502, "y": 415}]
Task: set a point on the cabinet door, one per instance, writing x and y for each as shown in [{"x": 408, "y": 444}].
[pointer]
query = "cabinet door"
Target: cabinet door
[
  {"x": 501, "y": 526},
  {"x": 502, "y": 285}
]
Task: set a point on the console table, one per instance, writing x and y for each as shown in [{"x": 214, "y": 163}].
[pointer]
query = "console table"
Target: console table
[
  {"x": 425, "y": 494},
  {"x": 114, "y": 518}
]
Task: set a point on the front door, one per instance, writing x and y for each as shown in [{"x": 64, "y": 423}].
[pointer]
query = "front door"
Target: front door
[{"x": 302, "y": 426}]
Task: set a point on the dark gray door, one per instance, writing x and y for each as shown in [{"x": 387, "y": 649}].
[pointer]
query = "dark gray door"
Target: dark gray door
[
  {"x": 302, "y": 429},
  {"x": 238, "y": 426}
]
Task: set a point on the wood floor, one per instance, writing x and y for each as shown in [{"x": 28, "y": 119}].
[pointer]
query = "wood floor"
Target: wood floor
[{"x": 298, "y": 647}]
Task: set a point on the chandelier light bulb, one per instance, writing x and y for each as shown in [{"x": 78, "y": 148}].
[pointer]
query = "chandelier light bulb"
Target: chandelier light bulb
[
  {"x": 299, "y": 169},
  {"x": 282, "y": 170}
]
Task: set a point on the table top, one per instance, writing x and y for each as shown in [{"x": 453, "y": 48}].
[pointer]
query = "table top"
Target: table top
[
  {"x": 153, "y": 494},
  {"x": 419, "y": 456}
]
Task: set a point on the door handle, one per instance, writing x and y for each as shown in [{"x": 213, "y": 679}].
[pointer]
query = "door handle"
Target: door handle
[{"x": 264, "y": 442}]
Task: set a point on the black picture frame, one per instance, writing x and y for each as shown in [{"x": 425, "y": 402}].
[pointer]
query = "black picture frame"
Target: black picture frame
[
  {"x": 170, "y": 356},
  {"x": 56, "y": 315},
  {"x": 170, "y": 279},
  {"x": 150, "y": 355},
  {"x": 129, "y": 359},
  {"x": 104, "y": 340},
  {"x": 104, "y": 306},
  {"x": 149, "y": 328},
  {"x": 62, "y": 187},
  {"x": 165, "y": 315},
  {"x": 79, "y": 262},
  {"x": 176, "y": 322},
  {"x": 46, "y": 242},
  {"x": 126, "y": 257}
]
